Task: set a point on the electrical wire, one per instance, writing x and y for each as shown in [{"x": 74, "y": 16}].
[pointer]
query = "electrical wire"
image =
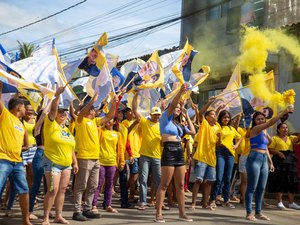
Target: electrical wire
[{"x": 45, "y": 18}]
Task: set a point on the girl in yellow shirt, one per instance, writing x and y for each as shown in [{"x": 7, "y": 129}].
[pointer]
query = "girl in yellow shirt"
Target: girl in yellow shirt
[
  {"x": 111, "y": 157},
  {"x": 225, "y": 158}
]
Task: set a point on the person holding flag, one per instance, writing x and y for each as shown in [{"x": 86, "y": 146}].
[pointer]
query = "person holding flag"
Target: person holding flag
[
  {"x": 172, "y": 160},
  {"x": 58, "y": 158}
]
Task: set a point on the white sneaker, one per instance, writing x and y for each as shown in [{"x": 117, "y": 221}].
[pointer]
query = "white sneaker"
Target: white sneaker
[
  {"x": 294, "y": 206},
  {"x": 280, "y": 205}
]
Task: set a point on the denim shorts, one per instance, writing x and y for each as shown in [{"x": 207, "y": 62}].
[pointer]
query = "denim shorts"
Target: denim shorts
[
  {"x": 17, "y": 172},
  {"x": 134, "y": 167},
  {"x": 242, "y": 164},
  {"x": 204, "y": 172},
  {"x": 49, "y": 166}
]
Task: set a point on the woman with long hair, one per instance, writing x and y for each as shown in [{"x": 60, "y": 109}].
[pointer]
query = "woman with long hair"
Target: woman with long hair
[
  {"x": 257, "y": 163},
  {"x": 225, "y": 158},
  {"x": 172, "y": 160}
]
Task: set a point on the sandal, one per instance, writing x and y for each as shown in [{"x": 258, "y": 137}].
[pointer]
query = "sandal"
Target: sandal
[
  {"x": 208, "y": 207},
  {"x": 61, "y": 220},
  {"x": 111, "y": 210},
  {"x": 164, "y": 207},
  {"x": 185, "y": 218},
  {"x": 261, "y": 217},
  {"x": 159, "y": 219},
  {"x": 250, "y": 217},
  {"x": 193, "y": 207},
  {"x": 229, "y": 205},
  {"x": 213, "y": 205}
]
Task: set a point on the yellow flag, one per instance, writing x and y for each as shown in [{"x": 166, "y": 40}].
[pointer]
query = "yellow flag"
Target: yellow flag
[{"x": 177, "y": 69}]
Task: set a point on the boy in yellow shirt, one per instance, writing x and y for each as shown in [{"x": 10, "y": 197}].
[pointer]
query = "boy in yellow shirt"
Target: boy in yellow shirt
[{"x": 12, "y": 133}]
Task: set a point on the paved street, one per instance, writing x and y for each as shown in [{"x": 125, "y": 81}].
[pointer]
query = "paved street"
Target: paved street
[{"x": 132, "y": 216}]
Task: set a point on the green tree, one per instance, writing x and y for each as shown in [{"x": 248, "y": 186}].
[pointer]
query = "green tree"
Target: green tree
[{"x": 26, "y": 49}]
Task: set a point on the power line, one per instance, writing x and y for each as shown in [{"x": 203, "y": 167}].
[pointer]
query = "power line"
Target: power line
[{"x": 27, "y": 25}]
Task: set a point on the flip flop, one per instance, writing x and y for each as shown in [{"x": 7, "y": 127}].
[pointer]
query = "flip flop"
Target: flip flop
[{"x": 262, "y": 217}]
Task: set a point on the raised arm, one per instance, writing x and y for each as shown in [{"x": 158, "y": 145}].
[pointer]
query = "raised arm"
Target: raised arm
[
  {"x": 134, "y": 106},
  {"x": 38, "y": 125},
  {"x": 176, "y": 99},
  {"x": 86, "y": 108},
  {"x": 54, "y": 105},
  {"x": 204, "y": 108},
  {"x": 258, "y": 128},
  {"x": 111, "y": 113},
  {"x": 191, "y": 126}
]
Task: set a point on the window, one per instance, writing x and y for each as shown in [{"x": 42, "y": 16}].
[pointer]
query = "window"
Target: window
[
  {"x": 295, "y": 76},
  {"x": 214, "y": 11}
]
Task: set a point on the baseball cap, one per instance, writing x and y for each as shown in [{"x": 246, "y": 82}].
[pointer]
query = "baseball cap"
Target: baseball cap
[
  {"x": 155, "y": 110},
  {"x": 61, "y": 108}
]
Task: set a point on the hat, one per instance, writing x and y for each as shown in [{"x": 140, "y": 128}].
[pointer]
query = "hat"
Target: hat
[
  {"x": 61, "y": 108},
  {"x": 155, "y": 110}
]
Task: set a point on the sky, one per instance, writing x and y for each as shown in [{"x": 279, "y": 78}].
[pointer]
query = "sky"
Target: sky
[{"x": 115, "y": 17}]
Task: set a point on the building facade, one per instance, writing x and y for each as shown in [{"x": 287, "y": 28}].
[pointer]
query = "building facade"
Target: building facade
[{"x": 213, "y": 28}]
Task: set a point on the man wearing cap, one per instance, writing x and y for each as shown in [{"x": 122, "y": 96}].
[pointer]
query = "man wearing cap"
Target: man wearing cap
[
  {"x": 88, "y": 149},
  {"x": 150, "y": 149},
  {"x": 12, "y": 133}
]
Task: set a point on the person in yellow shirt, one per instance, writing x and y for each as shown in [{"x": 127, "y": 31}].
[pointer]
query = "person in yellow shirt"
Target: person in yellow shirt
[
  {"x": 58, "y": 158},
  {"x": 205, "y": 156},
  {"x": 88, "y": 148},
  {"x": 27, "y": 156},
  {"x": 285, "y": 177},
  {"x": 225, "y": 153},
  {"x": 111, "y": 157},
  {"x": 12, "y": 135},
  {"x": 134, "y": 143},
  {"x": 150, "y": 150}
]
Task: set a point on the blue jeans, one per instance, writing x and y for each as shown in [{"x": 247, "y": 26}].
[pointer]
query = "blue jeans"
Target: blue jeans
[
  {"x": 123, "y": 187},
  {"x": 257, "y": 175},
  {"x": 144, "y": 167},
  {"x": 17, "y": 173},
  {"x": 38, "y": 172},
  {"x": 224, "y": 168}
]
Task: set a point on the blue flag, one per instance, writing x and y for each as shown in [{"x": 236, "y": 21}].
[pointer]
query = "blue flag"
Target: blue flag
[{"x": 117, "y": 78}]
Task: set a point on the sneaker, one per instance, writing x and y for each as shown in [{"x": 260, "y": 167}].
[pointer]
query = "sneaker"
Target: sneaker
[
  {"x": 159, "y": 219},
  {"x": 78, "y": 216},
  {"x": 127, "y": 206},
  {"x": 91, "y": 215},
  {"x": 294, "y": 206},
  {"x": 229, "y": 205},
  {"x": 280, "y": 205}
]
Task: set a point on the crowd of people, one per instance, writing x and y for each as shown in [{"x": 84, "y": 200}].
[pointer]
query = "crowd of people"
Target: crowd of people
[{"x": 121, "y": 145}]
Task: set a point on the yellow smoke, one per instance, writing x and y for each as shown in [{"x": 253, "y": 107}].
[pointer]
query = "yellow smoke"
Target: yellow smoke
[{"x": 255, "y": 46}]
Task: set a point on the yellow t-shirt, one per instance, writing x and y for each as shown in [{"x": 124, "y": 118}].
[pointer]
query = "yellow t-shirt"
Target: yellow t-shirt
[
  {"x": 228, "y": 134},
  {"x": 72, "y": 126},
  {"x": 29, "y": 127},
  {"x": 11, "y": 136},
  {"x": 244, "y": 147},
  {"x": 281, "y": 145},
  {"x": 206, "y": 139},
  {"x": 151, "y": 138},
  {"x": 135, "y": 140},
  {"x": 109, "y": 147},
  {"x": 87, "y": 138},
  {"x": 124, "y": 134},
  {"x": 59, "y": 143},
  {"x": 188, "y": 144}
]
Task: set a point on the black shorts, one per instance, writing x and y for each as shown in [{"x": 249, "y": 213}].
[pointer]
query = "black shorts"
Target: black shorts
[{"x": 172, "y": 155}]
